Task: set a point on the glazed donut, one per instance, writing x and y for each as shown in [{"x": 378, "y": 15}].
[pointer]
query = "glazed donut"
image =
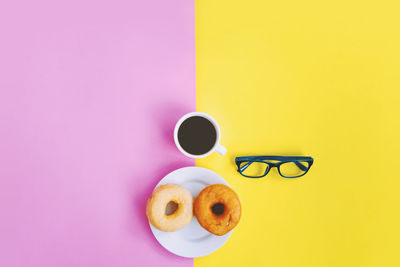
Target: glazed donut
[
  {"x": 217, "y": 209},
  {"x": 170, "y": 207}
]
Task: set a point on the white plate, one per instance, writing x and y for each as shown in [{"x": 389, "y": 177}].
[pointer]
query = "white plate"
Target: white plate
[{"x": 192, "y": 240}]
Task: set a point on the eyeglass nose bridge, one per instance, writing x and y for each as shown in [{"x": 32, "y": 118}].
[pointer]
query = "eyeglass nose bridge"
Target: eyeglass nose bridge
[{"x": 272, "y": 164}]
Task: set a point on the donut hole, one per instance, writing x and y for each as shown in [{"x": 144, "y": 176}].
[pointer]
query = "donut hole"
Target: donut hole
[
  {"x": 218, "y": 209},
  {"x": 171, "y": 208}
]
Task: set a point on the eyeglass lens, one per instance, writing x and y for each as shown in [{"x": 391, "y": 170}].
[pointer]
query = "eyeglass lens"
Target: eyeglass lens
[{"x": 253, "y": 169}]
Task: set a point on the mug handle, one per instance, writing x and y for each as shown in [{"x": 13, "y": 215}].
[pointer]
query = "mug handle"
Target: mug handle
[{"x": 220, "y": 150}]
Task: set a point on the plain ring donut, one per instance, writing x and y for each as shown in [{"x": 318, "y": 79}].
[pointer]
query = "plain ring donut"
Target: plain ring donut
[
  {"x": 170, "y": 207},
  {"x": 217, "y": 209}
]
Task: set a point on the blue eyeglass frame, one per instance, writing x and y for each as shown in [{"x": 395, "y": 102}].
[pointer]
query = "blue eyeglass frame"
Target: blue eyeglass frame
[{"x": 281, "y": 159}]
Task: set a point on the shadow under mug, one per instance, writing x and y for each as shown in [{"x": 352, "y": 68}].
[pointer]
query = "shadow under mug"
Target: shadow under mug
[{"x": 217, "y": 147}]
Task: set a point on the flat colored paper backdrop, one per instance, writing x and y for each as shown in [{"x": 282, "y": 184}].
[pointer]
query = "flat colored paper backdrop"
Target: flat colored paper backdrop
[
  {"x": 315, "y": 78},
  {"x": 89, "y": 94}
]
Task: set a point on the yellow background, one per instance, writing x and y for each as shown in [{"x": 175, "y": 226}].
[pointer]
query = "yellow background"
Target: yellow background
[{"x": 314, "y": 78}]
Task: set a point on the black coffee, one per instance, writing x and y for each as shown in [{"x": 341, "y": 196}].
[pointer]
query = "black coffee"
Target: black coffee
[{"x": 197, "y": 135}]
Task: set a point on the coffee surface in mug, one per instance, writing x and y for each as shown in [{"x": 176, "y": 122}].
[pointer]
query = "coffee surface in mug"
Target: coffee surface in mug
[{"x": 197, "y": 135}]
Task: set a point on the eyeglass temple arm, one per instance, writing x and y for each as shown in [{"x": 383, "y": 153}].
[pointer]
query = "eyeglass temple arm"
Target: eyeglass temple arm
[
  {"x": 244, "y": 167},
  {"x": 301, "y": 166}
]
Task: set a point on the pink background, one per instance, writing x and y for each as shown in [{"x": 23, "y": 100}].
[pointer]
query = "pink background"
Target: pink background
[{"x": 89, "y": 94}]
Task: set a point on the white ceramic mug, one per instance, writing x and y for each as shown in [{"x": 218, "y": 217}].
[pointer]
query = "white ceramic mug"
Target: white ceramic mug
[{"x": 217, "y": 147}]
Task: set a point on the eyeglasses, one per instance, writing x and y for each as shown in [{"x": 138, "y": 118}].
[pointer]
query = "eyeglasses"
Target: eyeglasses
[{"x": 259, "y": 166}]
